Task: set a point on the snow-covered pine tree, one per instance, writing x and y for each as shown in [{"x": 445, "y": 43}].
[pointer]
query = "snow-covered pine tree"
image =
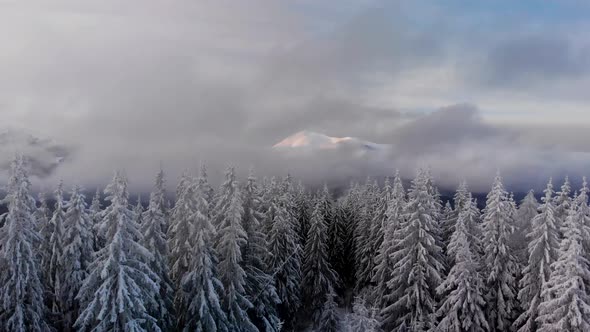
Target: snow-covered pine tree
[
  {"x": 201, "y": 291},
  {"x": 384, "y": 264},
  {"x": 43, "y": 216},
  {"x": 260, "y": 288},
  {"x": 318, "y": 276},
  {"x": 303, "y": 206},
  {"x": 43, "y": 213},
  {"x": 499, "y": 260},
  {"x": 527, "y": 211},
  {"x": 418, "y": 262},
  {"x": 543, "y": 250},
  {"x": 343, "y": 265},
  {"x": 21, "y": 291},
  {"x": 231, "y": 239},
  {"x": 562, "y": 204},
  {"x": 363, "y": 247},
  {"x": 54, "y": 267},
  {"x": 377, "y": 228},
  {"x": 138, "y": 211},
  {"x": 96, "y": 218},
  {"x": 285, "y": 261},
  {"x": 448, "y": 222},
  {"x": 566, "y": 303},
  {"x": 330, "y": 320},
  {"x": 120, "y": 286},
  {"x": 78, "y": 242},
  {"x": 460, "y": 200},
  {"x": 584, "y": 212},
  {"x": 154, "y": 240},
  {"x": 463, "y": 306},
  {"x": 362, "y": 319},
  {"x": 180, "y": 229},
  {"x": 347, "y": 211}
]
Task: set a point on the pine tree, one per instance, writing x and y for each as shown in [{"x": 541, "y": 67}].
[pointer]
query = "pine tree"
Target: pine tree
[
  {"x": 96, "y": 218},
  {"x": 448, "y": 222},
  {"x": 343, "y": 264},
  {"x": 54, "y": 267},
  {"x": 154, "y": 240},
  {"x": 43, "y": 217},
  {"x": 21, "y": 291},
  {"x": 566, "y": 303},
  {"x": 302, "y": 202},
  {"x": 285, "y": 261},
  {"x": 362, "y": 319},
  {"x": 260, "y": 288},
  {"x": 364, "y": 248},
  {"x": 138, "y": 211},
  {"x": 232, "y": 237},
  {"x": 527, "y": 211},
  {"x": 379, "y": 218},
  {"x": 330, "y": 322},
  {"x": 543, "y": 250},
  {"x": 418, "y": 262},
  {"x": 78, "y": 244},
  {"x": 384, "y": 264},
  {"x": 120, "y": 285},
  {"x": 42, "y": 214},
  {"x": 201, "y": 291},
  {"x": 562, "y": 205},
  {"x": 179, "y": 240},
  {"x": 463, "y": 305},
  {"x": 501, "y": 264},
  {"x": 318, "y": 276}
]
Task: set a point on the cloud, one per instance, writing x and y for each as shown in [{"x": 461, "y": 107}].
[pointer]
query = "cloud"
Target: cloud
[
  {"x": 130, "y": 86},
  {"x": 527, "y": 59},
  {"x": 43, "y": 155}
]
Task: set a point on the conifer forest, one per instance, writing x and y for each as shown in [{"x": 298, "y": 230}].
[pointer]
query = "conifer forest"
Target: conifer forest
[{"x": 266, "y": 254}]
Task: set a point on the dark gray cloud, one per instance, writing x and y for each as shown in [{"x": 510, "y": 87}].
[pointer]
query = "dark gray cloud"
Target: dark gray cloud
[{"x": 528, "y": 59}]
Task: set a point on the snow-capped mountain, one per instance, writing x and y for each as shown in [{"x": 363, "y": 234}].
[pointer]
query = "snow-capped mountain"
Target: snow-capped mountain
[
  {"x": 308, "y": 141},
  {"x": 312, "y": 140}
]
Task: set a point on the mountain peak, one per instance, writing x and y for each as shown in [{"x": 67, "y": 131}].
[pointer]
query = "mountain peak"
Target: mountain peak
[{"x": 307, "y": 138}]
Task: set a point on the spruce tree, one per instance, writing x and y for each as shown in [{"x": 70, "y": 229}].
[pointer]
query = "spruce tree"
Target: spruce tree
[
  {"x": 285, "y": 261},
  {"x": 303, "y": 213},
  {"x": 43, "y": 217},
  {"x": 500, "y": 262},
  {"x": 120, "y": 286},
  {"x": 527, "y": 211},
  {"x": 318, "y": 276},
  {"x": 201, "y": 291},
  {"x": 138, "y": 211},
  {"x": 330, "y": 321},
  {"x": 259, "y": 287},
  {"x": 383, "y": 261},
  {"x": 231, "y": 239},
  {"x": 364, "y": 248},
  {"x": 54, "y": 267},
  {"x": 562, "y": 204},
  {"x": 362, "y": 319},
  {"x": 96, "y": 218},
  {"x": 78, "y": 244},
  {"x": 418, "y": 262},
  {"x": 543, "y": 250},
  {"x": 21, "y": 291},
  {"x": 181, "y": 223},
  {"x": 566, "y": 303},
  {"x": 448, "y": 222},
  {"x": 463, "y": 306},
  {"x": 154, "y": 240}
]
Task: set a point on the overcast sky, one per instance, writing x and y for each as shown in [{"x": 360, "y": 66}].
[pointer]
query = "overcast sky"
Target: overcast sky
[{"x": 465, "y": 87}]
